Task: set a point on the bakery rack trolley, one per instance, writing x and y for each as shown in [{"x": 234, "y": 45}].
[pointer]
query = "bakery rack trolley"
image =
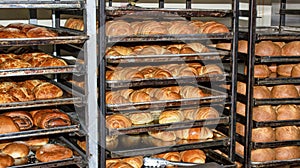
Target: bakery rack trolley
[
  {"x": 110, "y": 11},
  {"x": 254, "y": 34},
  {"x": 87, "y": 99}
]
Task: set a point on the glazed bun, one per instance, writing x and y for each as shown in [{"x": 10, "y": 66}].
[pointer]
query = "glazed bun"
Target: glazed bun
[
  {"x": 193, "y": 156},
  {"x": 284, "y": 91},
  {"x": 267, "y": 48},
  {"x": 288, "y": 112},
  {"x": 287, "y": 133},
  {"x": 287, "y": 152},
  {"x": 53, "y": 152},
  {"x": 291, "y": 49},
  {"x": 171, "y": 156},
  {"x": 6, "y": 160},
  {"x": 16, "y": 150}
]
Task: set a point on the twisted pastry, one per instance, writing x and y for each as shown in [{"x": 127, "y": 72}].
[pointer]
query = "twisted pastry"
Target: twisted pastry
[
  {"x": 154, "y": 50},
  {"x": 40, "y": 32},
  {"x": 166, "y": 94},
  {"x": 170, "y": 116},
  {"x": 201, "y": 113},
  {"x": 22, "y": 118},
  {"x": 209, "y": 69},
  {"x": 197, "y": 47},
  {"x": 135, "y": 162},
  {"x": 115, "y": 121},
  {"x": 22, "y": 94}
]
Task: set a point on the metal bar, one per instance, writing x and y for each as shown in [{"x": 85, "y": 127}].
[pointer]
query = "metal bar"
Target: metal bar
[
  {"x": 250, "y": 81},
  {"x": 161, "y": 3},
  {"x": 282, "y": 15}
]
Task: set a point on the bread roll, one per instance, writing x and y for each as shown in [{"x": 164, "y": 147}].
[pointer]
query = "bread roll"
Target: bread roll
[
  {"x": 139, "y": 96},
  {"x": 7, "y": 98},
  {"x": 191, "y": 92},
  {"x": 114, "y": 98},
  {"x": 267, "y": 48},
  {"x": 109, "y": 162},
  {"x": 181, "y": 27},
  {"x": 194, "y": 133},
  {"x": 288, "y": 112},
  {"x": 210, "y": 69},
  {"x": 47, "y": 90},
  {"x": 291, "y": 49},
  {"x": 120, "y": 164},
  {"x": 224, "y": 46},
  {"x": 241, "y": 87},
  {"x": 7, "y": 125},
  {"x": 22, "y": 118},
  {"x": 38, "y": 32},
  {"x": 193, "y": 156},
  {"x": 263, "y": 155},
  {"x": 197, "y": 47},
  {"x": 261, "y": 71},
  {"x": 264, "y": 113},
  {"x": 31, "y": 83},
  {"x": 170, "y": 116},
  {"x": 141, "y": 118},
  {"x": 240, "y": 108},
  {"x": 287, "y": 152},
  {"x": 284, "y": 91},
  {"x": 136, "y": 162},
  {"x": 261, "y": 92},
  {"x": 163, "y": 135},
  {"x": 118, "y": 28},
  {"x": 151, "y": 27},
  {"x": 213, "y": 27},
  {"x": 50, "y": 119},
  {"x": 201, "y": 113},
  {"x": 53, "y": 152},
  {"x": 16, "y": 150},
  {"x": 52, "y": 62},
  {"x": 171, "y": 156},
  {"x": 74, "y": 23},
  {"x": 22, "y": 94},
  {"x": 296, "y": 71},
  {"x": 6, "y": 160},
  {"x": 115, "y": 121},
  {"x": 165, "y": 94},
  {"x": 263, "y": 134},
  {"x": 285, "y": 70},
  {"x": 287, "y": 133}
]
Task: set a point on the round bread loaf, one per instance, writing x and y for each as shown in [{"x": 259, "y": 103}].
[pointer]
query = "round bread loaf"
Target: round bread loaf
[
  {"x": 260, "y": 71},
  {"x": 53, "y": 152},
  {"x": 287, "y": 133},
  {"x": 7, "y": 125},
  {"x": 263, "y": 134},
  {"x": 287, "y": 152},
  {"x": 284, "y": 91},
  {"x": 6, "y": 160},
  {"x": 263, "y": 155},
  {"x": 296, "y": 71},
  {"x": 285, "y": 70},
  {"x": 264, "y": 113},
  {"x": 261, "y": 92},
  {"x": 273, "y": 68},
  {"x": 16, "y": 150},
  {"x": 291, "y": 49},
  {"x": 288, "y": 112},
  {"x": 267, "y": 48}
]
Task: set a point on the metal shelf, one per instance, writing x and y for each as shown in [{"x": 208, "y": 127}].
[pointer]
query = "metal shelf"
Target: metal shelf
[{"x": 41, "y": 4}]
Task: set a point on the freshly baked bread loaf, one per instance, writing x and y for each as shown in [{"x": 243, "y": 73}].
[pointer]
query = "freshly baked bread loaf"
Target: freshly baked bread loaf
[
  {"x": 119, "y": 50},
  {"x": 264, "y": 113},
  {"x": 163, "y": 135},
  {"x": 170, "y": 116},
  {"x": 165, "y": 94},
  {"x": 7, "y": 125},
  {"x": 53, "y": 152},
  {"x": 51, "y": 119},
  {"x": 120, "y": 164},
  {"x": 38, "y": 59},
  {"x": 240, "y": 108},
  {"x": 197, "y": 47},
  {"x": 296, "y": 71},
  {"x": 74, "y": 23},
  {"x": 241, "y": 87},
  {"x": 114, "y": 98},
  {"x": 287, "y": 152},
  {"x": 141, "y": 118},
  {"x": 210, "y": 69},
  {"x": 118, "y": 28},
  {"x": 136, "y": 162},
  {"x": 261, "y": 92},
  {"x": 5, "y": 86},
  {"x": 22, "y": 118},
  {"x": 51, "y": 62},
  {"x": 191, "y": 92},
  {"x": 115, "y": 121},
  {"x": 38, "y": 32},
  {"x": 171, "y": 156},
  {"x": 261, "y": 71},
  {"x": 224, "y": 46},
  {"x": 47, "y": 90},
  {"x": 14, "y": 63},
  {"x": 287, "y": 133},
  {"x": 7, "y": 98},
  {"x": 285, "y": 69},
  {"x": 267, "y": 48},
  {"x": 288, "y": 112},
  {"x": 194, "y": 133},
  {"x": 263, "y": 155},
  {"x": 109, "y": 162},
  {"x": 291, "y": 49},
  {"x": 181, "y": 27},
  {"x": 263, "y": 134},
  {"x": 16, "y": 150},
  {"x": 213, "y": 27},
  {"x": 31, "y": 83},
  {"x": 243, "y": 46},
  {"x": 6, "y": 160},
  {"x": 284, "y": 91},
  {"x": 201, "y": 113},
  {"x": 22, "y": 94},
  {"x": 193, "y": 156}
]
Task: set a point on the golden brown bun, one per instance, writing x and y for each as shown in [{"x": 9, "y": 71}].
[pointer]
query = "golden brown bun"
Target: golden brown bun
[
  {"x": 163, "y": 135},
  {"x": 7, "y": 125},
  {"x": 51, "y": 118},
  {"x": 239, "y": 149},
  {"x": 120, "y": 164},
  {"x": 36, "y": 142},
  {"x": 14, "y": 63},
  {"x": 139, "y": 96},
  {"x": 197, "y": 47},
  {"x": 191, "y": 92},
  {"x": 171, "y": 156},
  {"x": 213, "y": 27},
  {"x": 38, "y": 59},
  {"x": 243, "y": 46},
  {"x": 164, "y": 94},
  {"x": 267, "y": 48},
  {"x": 284, "y": 91},
  {"x": 261, "y": 92},
  {"x": 76, "y": 24},
  {"x": 118, "y": 28},
  {"x": 296, "y": 71},
  {"x": 47, "y": 90},
  {"x": 193, "y": 156},
  {"x": 141, "y": 118},
  {"x": 261, "y": 71},
  {"x": 291, "y": 49},
  {"x": 16, "y": 150},
  {"x": 53, "y": 152},
  {"x": 109, "y": 162},
  {"x": 114, "y": 98},
  {"x": 51, "y": 62},
  {"x": 287, "y": 152},
  {"x": 240, "y": 108},
  {"x": 181, "y": 27},
  {"x": 6, "y": 86},
  {"x": 170, "y": 116},
  {"x": 288, "y": 112},
  {"x": 194, "y": 133},
  {"x": 40, "y": 32},
  {"x": 6, "y": 160},
  {"x": 22, "y": 118},
  {"x": 7, "y": 98},
  {"x": 136, "y": 162},
  {"x": 263, "y": 134},
  {"x": 273, "y": 68},
  {"x": 264, "y": 113},
  {"x": 210, "y": 69},
  {"x": 117, "y": 121},
  {"x": 285, "y": 69},
  {"x": 287, "y": 133},
  {"x": 31, "y": 84},
  {"x": 262, "y": 155},
  {"x": 22, "y": 94},
  {"x": 201, "y": 113},
  {"x": 81, "y": 144}
]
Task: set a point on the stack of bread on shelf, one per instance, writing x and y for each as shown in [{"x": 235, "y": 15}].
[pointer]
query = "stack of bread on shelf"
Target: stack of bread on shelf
[
  {"x": 22, "y": 30},
  {"x": 16, "y": 153}
]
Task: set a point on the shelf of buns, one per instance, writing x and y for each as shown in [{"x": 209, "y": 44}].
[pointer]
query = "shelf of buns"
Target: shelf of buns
[
  {"x": 175, "y": 12},
  {"x": 13, "y": 35},
  {"x": 42, "y": 4},
  {"x": 274, "y": 33},
  {"x": 40, "y": 91},
  {"x": 144, "y": 144},
  {"x": 116, "y": 101}
]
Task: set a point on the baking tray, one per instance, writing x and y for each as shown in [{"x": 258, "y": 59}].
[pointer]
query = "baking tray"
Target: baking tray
[
  {"x": 215, "y": 96},
  {"x": 148, "y": 145},
  {"x": 46, "y": 4},
  {"x": 69, "y": 97},
  {"x": 169, "y": 37},
  {"x": 212, "y": 55},
  {"x": 169, "y": 126},
  {"x": 273, "y": 33},
  {"x": 165, "y": 81},
  {"x": 274, "y": 163},
  {"x": 65, "y": 36},
  {"x": 120, "y": 11}
]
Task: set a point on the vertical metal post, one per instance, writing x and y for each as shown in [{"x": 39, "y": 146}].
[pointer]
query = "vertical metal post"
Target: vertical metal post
[
  {"x": 282, "y": 15},
  {"x": 33, "y": 16},
  {"x": 161, "y": 4},
  {"x": 188, "y": 4},
  {"x": 110, "y": 3},
  {"x": 250, "y": 81},
  {"x": 234, "y": 69},
  {"x": 102, "y": 82},
  {"x": 90, "y": 57}
]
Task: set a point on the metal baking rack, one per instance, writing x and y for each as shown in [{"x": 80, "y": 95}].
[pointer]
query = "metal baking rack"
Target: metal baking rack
[
  {"x": 271, "y": 81},
  {"x": 215, "y": 96},
  {"x": 42, "y": 4},
  {"x": 165, "y": 81},
  {"x": 275, "y": 144},
  {"x": 148, "y": 145},
  {"x": 65, "y": 36}
]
